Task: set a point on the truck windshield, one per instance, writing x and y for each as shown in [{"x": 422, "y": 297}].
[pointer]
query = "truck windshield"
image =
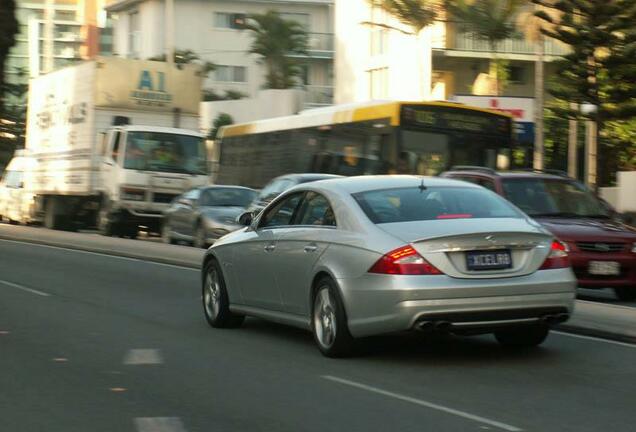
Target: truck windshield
[{"x": 165, "y": 152}]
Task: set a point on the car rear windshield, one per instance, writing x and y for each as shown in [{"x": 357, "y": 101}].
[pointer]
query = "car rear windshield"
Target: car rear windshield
[
  {"x": 547, "y": 197},
  {"x": 415, "y": 204}
]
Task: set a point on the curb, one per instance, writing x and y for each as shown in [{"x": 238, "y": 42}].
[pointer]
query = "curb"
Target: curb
[
  {"x": 601, "y": 334},
  {"x": 121, "y": 254}
]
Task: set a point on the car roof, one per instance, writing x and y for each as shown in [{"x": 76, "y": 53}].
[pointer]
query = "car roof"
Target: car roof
[
  {"x": 307, "y": 177},
  {"x": 220, "y": 186},
  {"x": 485, "y": 172},
  {"x": 352, "y": 185}
]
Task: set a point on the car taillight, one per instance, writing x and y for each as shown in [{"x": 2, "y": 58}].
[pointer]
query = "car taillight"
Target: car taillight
[
  {"x": 404, "y": 261},
  {"x": 558, "y": 257}
]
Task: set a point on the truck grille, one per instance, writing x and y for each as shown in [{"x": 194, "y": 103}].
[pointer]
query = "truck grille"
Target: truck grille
[
  {"x": 163, "y": 198},
  {"x": 601, "y": 247}
]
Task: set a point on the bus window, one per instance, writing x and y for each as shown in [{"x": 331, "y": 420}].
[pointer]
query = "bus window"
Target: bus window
[{"x": 422, "y": 153}]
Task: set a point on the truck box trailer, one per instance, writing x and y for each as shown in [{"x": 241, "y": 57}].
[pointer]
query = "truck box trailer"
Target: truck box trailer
[{"x": 115, "y": 141}]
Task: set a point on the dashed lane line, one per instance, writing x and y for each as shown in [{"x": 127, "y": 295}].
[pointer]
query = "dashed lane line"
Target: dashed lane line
[{"x": 23, "y": 288}]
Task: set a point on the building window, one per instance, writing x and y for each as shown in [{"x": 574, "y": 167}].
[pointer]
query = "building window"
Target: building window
[
  {"x": 379, "y": 35},
  {"x": 516, "y": 74},
  {"x": 134, "y": 35},
  {"x": 379, "y": 83},
  {"x": 230, "y": 73},
  {"x": 227, "y": 20},
  {"x": 301, "y": 18}
]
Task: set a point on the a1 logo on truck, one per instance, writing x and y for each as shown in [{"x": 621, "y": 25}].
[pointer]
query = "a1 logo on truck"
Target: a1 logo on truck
[{"x": 151, "y": 91}]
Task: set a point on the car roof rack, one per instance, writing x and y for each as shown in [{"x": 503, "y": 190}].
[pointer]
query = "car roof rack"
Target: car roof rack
[
  {"x": 473, "y": 168},
  {"x": 556, "y": 172}
]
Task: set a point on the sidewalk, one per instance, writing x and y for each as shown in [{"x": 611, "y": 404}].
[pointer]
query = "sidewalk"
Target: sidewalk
[{"x": 590, "y": 318}]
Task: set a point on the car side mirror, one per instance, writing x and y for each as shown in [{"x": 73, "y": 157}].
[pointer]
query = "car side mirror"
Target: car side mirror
[
  {"x": 186, "y": 202},
  {"x": 245, "y": 219}
]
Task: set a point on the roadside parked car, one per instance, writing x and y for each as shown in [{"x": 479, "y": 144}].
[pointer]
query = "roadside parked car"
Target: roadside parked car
[
  {"x": 360, "y": 256},
  {"x": 280, "y": 184},
  {"x": 602, "y": 249},
  {"x": 16, "y": 202},
  {"x": 202, "y": 215}
]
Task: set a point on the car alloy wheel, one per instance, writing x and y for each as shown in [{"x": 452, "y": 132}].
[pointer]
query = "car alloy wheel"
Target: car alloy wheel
[
  {"x": 325, "y": 321},
  {"x": 329, "y": 321},
  {"x": 216, "y": 304},
  {"x": 165, "y": 233}
]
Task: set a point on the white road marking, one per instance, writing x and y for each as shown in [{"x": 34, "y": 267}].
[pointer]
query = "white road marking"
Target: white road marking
[
  {"x": 23, "y": 288},
  {"x": 102, "y": 254},
  {"x": 142, "y": 357},
  {"x": 424, "y": 403},
  {"x": 595, "y": 339},
  {"x": 159, "y": 424}
]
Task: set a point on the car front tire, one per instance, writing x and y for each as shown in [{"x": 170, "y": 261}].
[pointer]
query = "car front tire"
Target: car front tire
[
  {"x": 329, "y": 321},
  {"x": 625, "y": 294},
  {"x": 522, "y": 337},
  {"x": 216, "y": 303}
]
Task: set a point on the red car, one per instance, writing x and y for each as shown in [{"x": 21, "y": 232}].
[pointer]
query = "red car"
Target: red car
[{"x": 602, "y": 249}]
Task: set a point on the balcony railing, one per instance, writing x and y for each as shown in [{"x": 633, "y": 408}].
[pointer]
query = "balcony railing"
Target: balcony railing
[
  {"x": 320, "y": 45},
  {"x": 318, "y": 95},
  {"x": 465, "y": 41}
]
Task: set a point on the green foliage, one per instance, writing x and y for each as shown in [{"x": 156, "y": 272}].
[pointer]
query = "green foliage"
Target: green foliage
[
  {"x": 8, "y": 30},
  {"x": 416, "y": 14},
  {"x": 276, "y": 41},
  {"x": 223, "y": 119},
  {"x": 210, "y": 95},
  {"x": 13, "y": 118},
  {"x": 182, "y": 57},
  {"x": 601, "y": 67}
]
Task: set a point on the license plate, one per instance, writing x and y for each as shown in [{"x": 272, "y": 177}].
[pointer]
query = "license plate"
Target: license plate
[
  {"x": 604, "y": 268},
  {"x": 488, "y": 260}
]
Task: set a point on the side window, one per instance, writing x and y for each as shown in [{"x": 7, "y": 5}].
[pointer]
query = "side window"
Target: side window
[
  {"x": 316, "y": 210},
  {"x": 193, "y": 194},
  {"x": 116, "y": 141},
  {"x": 488, "y": 184},
  {"x": 281, "y": 214}
]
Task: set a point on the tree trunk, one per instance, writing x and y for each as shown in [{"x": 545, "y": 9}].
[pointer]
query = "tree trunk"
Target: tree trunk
[
  {"x": 539, "y": 78},
  {"x": 494, "y": 65}
]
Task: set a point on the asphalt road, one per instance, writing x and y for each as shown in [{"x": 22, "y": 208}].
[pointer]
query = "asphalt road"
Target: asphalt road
[{"x": 98, "y": 343}]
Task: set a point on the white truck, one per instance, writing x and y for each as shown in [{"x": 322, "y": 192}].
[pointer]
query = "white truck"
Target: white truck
[{"x": 114, "y": 142}]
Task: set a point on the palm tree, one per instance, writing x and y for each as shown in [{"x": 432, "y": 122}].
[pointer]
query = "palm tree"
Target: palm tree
[
  {"x": 416, "y": 15},
  {"x": 8, "y": 30},
  {"x": 531, "y": 25},
  {"x": 277, "y": 40},
  {"x": 488, "y": 20}
]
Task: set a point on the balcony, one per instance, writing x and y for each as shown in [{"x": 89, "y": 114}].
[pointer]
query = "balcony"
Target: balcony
[
  {"x": 318, "y": 96},
  {"x": 321, "y": 46},
  {"x": 466, "y": 42}
]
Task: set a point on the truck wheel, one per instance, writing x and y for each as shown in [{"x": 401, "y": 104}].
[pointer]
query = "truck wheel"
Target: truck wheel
[
  {"x": 108, "y": 224},
  {"x": 51, "y": 218}
]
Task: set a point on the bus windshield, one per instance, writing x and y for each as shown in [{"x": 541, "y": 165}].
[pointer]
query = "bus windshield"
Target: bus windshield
[{"x": 165, "y": 152}]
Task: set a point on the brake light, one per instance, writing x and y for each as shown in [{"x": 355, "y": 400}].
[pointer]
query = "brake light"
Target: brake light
[
  {"x": 404, "y": 261},
  {"x": 558, "y": 257}
]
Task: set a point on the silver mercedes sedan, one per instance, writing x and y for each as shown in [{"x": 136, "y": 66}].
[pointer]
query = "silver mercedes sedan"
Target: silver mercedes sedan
[{"x": 360, "y": 256}]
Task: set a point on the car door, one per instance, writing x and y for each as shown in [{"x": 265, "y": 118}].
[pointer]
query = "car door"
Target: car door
[
  {"x": 184, "y": 208},
  {"x": 258, "y": 254},
  {"x": 298, "y": 249}
]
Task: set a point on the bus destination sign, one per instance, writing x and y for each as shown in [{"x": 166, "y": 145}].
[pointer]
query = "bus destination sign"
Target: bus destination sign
[{"x": 452, "y": 118}]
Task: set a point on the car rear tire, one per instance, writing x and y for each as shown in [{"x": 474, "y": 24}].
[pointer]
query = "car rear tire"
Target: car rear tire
[
  {"x": 216, "y": 303},
  {"x": 200, "y": 237},
  {"x": 625, "y": 293},
  {"x": 522, "y": 337},
  {"x": 329, "y": 321},
  {"x": 166, "y": 237}
]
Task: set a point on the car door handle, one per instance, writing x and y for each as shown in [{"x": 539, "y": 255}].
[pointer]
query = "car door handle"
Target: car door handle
[
  {"x": 270, "y": 247},
  {"x": 311, "y": 248}
]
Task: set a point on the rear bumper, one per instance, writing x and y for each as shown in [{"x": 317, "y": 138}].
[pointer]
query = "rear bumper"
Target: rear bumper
[
  {"x": 626, "y": 278},
  {"x": 378, "y": 304}
]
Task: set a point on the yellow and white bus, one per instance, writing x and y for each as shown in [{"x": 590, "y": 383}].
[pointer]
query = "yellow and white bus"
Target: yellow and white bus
[{"x": 370, "y": 138}]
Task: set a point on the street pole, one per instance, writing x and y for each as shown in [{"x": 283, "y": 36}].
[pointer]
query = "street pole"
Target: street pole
[
  {"x": 169, "y": 33},
  {"x": 573, "y": 159},
  {"x": 538, "y": 109},
  {"x": 591, "y": 154}
]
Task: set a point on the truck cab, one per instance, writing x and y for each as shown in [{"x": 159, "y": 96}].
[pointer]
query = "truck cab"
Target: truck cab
[
  {"x": 16, "y": 201},
  {"x": 143, "y": 169}
]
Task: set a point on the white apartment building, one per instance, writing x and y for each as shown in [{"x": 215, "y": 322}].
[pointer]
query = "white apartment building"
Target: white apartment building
[{"x": 211, "y": 29}]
